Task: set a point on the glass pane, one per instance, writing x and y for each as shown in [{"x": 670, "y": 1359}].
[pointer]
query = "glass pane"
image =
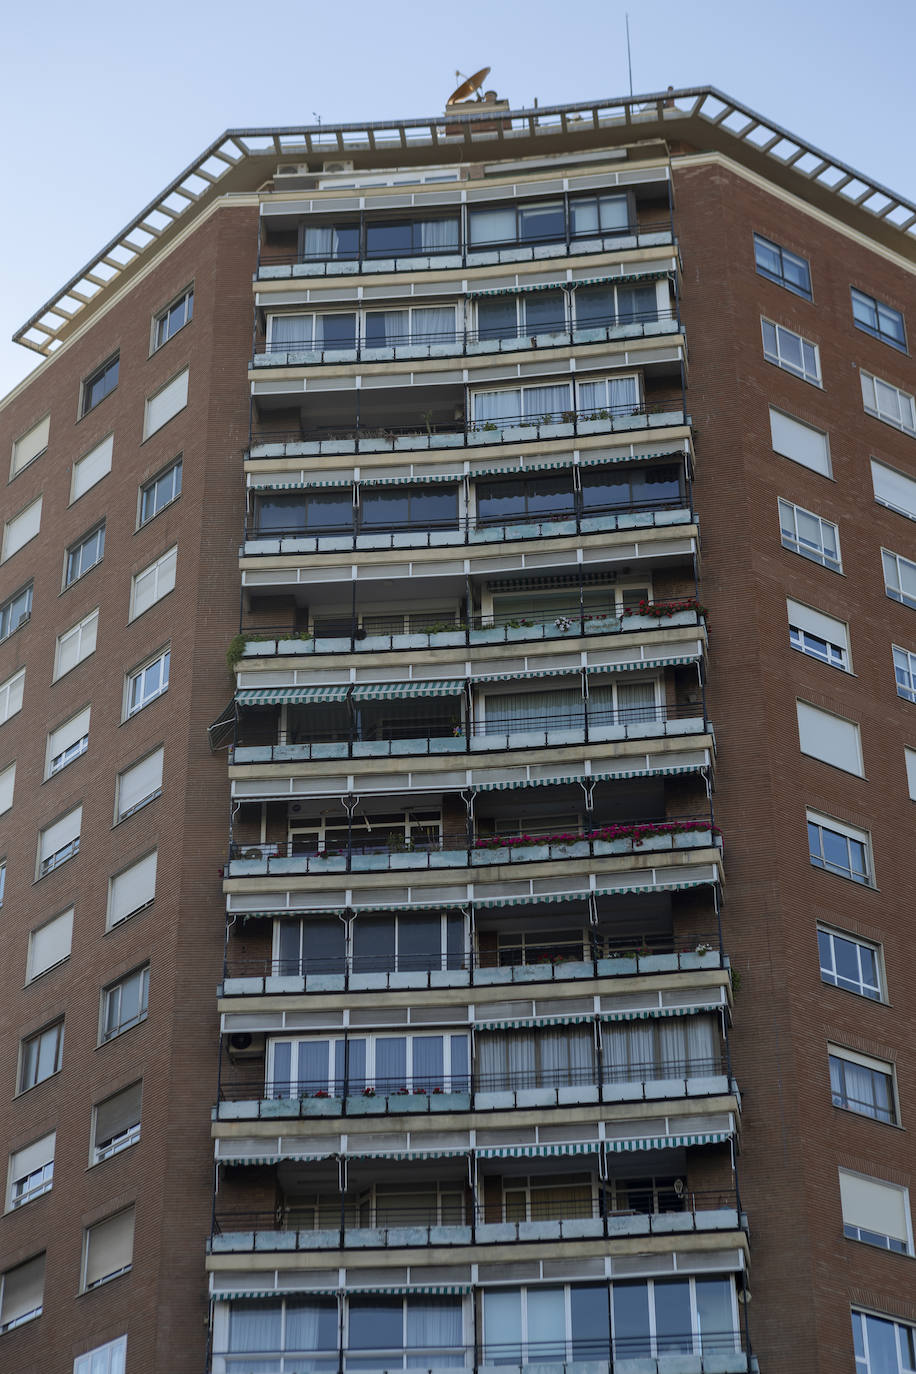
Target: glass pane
[
  {"x": 545, "y": 221},
  {"x": 715, "y": 1313},
  {"x": 584, "y": 216},
  {"x": 329, "y": 512},
  {"x": 551, "y": 496},
  {"x": 594, "y": 306},
  {"x": 500, "y": 500},
  {"x": 255, "y": 1326},
  {"x": 313, "y": 1066},
  {"x": 546, "y": 403},
  {"x": 492, "y": 226},
  {"x": 502, "y": 1327},
  {"x": 311, "y": 1325},
  {"x": 376, "y": 1324},
  {"x": 387, "y": 240},
  {"x": 545, "y": 311},
  {"x": 434, "y": 506},
  {"x": 630, "y": 1304},
  {"x": 280, "y": 514},
  {"x": 324, "y": 945},
  {"x": 428, "y": 1062},
  {"x": 335, "y": 331},
  {"x": 497, "y": 318},
  {"x": 673, "y": 1325},
  {"x": 373, "y": 944},
  {"x": 391, "y": 1064},
  {"x": 546, "y": 1324},
  {"x": 614, "y": 212},
  {"x": 385, "y": 509},
  {"x": 589, "y": 1322},
  {"x": 419, "y": 942},
  {"x": 386, "y": 327}
]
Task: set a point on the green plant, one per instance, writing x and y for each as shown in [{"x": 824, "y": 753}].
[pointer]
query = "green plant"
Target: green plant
[
  {"x": 235, "y": 650},
  {"x": 736, "y": 981}
]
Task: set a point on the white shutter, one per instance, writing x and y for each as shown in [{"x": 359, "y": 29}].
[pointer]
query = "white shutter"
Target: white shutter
[
  {"x": 60, "y": 834},
  {"x": 132, "y": 889},
  {"x": 21, "y": 529},
  {"x": 109, "y": 1247},
  {"x": 829, "y": 737},
  {"x": 23, "y": 1290},
  {"x": 166, "y": 403},
  {"x": 31, "y": 1158},
  {"x": 76, "y": 644},
  {"x": 800, "y": 442},
  {"x": 153, "y": 582},
  {"x": 67, "y": 735},
  {"x": 138, "y": 783},
  {"x": 91, "y": 468},
  {"x": 817, "y": 623},
  {"x": 50, "y": 943},
  {"x": 11, "y": 695},
  {"x": 893, "y": 489},
  {"x": 875, "y": 1206},
  {"x": 31, "y": 444},
  {"x": 7, "y": 785},
  {"x": 910, "y": 760}
]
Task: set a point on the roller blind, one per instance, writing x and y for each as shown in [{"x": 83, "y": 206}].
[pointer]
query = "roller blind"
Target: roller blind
[
  {"x": 21, "y": 529},
  {"x": 11, "y": 693},
  {"x": 32, "y": 1157},
  {"x": 816, "y": 623},
  {"x": 139, "y": 783},
  {"x": 7, "y": 785},
  {"x": 77, "y": 644},
  {"x": 117, "y": 1114},
  {"x": 166, "y": 403},
  {"x": 30, "y": 444},
  {"x": 23, "y": 1290},
  {"x": 109, "y": 1247},
  {"x": 875, "y": 1206},
  {"x": 800, "y": 442},
  {"x": 61, "y": 833},
  {"x": 92, "y": 467},
  {"x": 50, "y": 943},
  {"x": 829, "y": 738},
  {"x": 153, "y": 582},
  {"x": 910, "y": 760},
  {"x": 132, "y": 889},
  {"x": 66, "y": 736},
  {"x": 893, "y": 489}
]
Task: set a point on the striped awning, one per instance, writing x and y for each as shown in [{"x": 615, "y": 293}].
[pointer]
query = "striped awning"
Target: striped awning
[
  {"x": 666, "y": 1142},
  {"x": 275, "y": 1158},
  {"x": 607, "y": 458},
  {"x": 396, "y": 691},
  {"x": 642, "y": 663},
  {"x": 654, "y": 1013},
  {"x": 566, "y": 285},
  {"x": 431, "y": 1153},
  {"x": 545, "y": 1150},
  {"x": 425, "y": 1289},
  {"x": 625, "y": 277},
  {"x": 341, "y": 482},
  {"x": 428, "y": 1290},
  {"x": 514, "y": 470},
  {"x": 524, "y": 676},
  {"x": 274, "y": 696},
  {"x": 410, "y": 481},
  {"x": 527, "y": 1023},
  {"x": 560, "y": 778}
]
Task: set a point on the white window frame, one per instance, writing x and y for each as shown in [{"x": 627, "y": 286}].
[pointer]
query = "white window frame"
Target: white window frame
[
  {"x": 112, "y": 995},
  {"x": 816, "y": 718},
  {"x": 100, "y": 457},
  {"x": 334, "y": 1037},
  {"x": 802, "y": 547},
  {"x": 884, "y": 1067},
  {"x": 124, "y": 1139},
  {"x": 901, "y": 415},
  {"x": 895, "y": 1187},
  {"x": 62, "y": 916},
  {"x": 8, "y": 609},
  {"x": 904, "y": 672},
  {"x": 848, "y": 832},
  {"x": 12, "y": 692},
  {"x": 9, "y": 529},
  {"x": 41, "y": 430},
  {"x": 163, "y": 567},
  {"x": 10, "y": 1325},
  {"x": 818, "y": 635},
  {"x": 74, "y": 729},
  {"x": 180, "y": 382},
  {"x": 7, "y": 786},
  {"x": 175, "y": 466},
  {"x": 85, "y": 1285},
  {"x": 777, "y": 417},
  {"x": 186, "y": 298},
  {"x": 94, "y": 536},
  {"x": 137, "y": 675},
  {"x": 905, "y": 482},
  {"x": 872, "y": 992},
  {"x": 775, "y": 337},
  {"x": 110, "y": 1358},
  {"x": 110, "y": 921},
  {"x": 150, "y": 796},
  {"x": 909, "y": 763},
  {"x": 84, "y": 632},
  {"x": 893, "y": 565},
  {"x": 860, "y": 1332},
  {"x": 55, "y": 1030},
  {"x": 2, "y": 880},
  {"x": 22, "y": 1188},
  {"x": 66, "y": 851}
]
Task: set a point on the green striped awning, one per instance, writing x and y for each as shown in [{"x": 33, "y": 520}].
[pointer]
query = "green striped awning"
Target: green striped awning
[
  {"x": 514, "y": 470},
  {"x": 624, "y": 277},
  {"x": 396, "y": 691},
  {"x": 605, "y": 459},
  {"x": 530, "y": 899},
  {"x": 273, "y": 696},
  {"x": 524, "y": 676},
  {"x": 654, "y": 887},
  {"x": 274, "y": 1158},
  {"x": 653, "y": 1013},
  {"x": 666, "y": 1142},
  {"x": 642, "y": 663},
  {"x": 427, "y": 1289},
  {"x": 309, "y": 485},
  {"x": 567, "y": 285},
  {"x": 410, "y": 481},
  {"x": 587, "y": 777},
  {"x": 526, "y": 1023},
  {"x": 431, "y": 1153},
  {"x": 545, "y": 1150}
]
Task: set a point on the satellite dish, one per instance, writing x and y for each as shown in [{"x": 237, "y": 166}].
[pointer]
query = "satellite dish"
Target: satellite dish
[{"x": 467, "y": 88}]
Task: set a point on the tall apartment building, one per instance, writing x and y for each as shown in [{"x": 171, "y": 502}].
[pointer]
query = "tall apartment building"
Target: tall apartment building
[{"x": 505, "y": 960}]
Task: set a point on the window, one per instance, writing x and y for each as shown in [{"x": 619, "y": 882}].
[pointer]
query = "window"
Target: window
[
  {"x": 153, "y": 583},
  {"x": 68, "y": 742},
  {"x": 304, "y": 1326},
  {"x": 7, "y": 787},
  {"x": 861, "y": 1084},
  {"x": 806, "y": 533},
  {"x": 60, "y": 841},
  {"x": 905, "y": 673},
  {"x": 894, "y": 490},
  {"x": 883, "y": 1346},
  {"x": 84, "y": 555},
  {"x": 391, "y": 1333},
  {"x": 30, "y": 445},
  {"x": 31, "y": 1171},
  {"x": 76, "y": 644},
  {"x": 50, "y": 944},
  {"x": 147, "y": 683},
  {"x": 909, "y": 756},
  {"x": 802, "y": 443},
  {"x": 116, "y": 1122},
  {"x": 830, "y": 738},
  {"x": 888, "y": 403},
  {"x": 839, "y": 848},
  {"x": 590, "y": 215},
  {"x": 422, "y": 324},
  {"x": 387, "y": 1063},
  {"x": 11, "y": 693},
  {"x": 818, "y": 635},
  {"x": 791, "y": 352},
  {"x": 41, "y": 1055},
  {"x": 104, "y": 1359},
  {"x": 878, "y": 319},
  {"x": 851, "y": 963},
  {"x": 108, "y": 1249},
  {"x": 99, "y": 384},
  {"x": 160, "y": 491},
  {"x": 397, "y": 507},
  {"x": 528, "y": 223},
  {"x": 173, "y": 317},
  {"x": 785, "y": 268},
  {"x": 2, "y": 880},
  {"x": 876, "y": 1212},
  {"x": 132, "y": 889},
  {"x": 899, "y": 578},
  {"x": 124, "y": 1003},
  {"x": 18, "y": 531},
  {"x": 91, "y": 468},
  {"x": 16, "y": 611},
  {"x": 165, "y": 404},
  {"x": 139, "y": 784},
  {"x": 22, "y": 1293},
  {"x": 391, "y": 238},
  {"x": 508, "y": 317},
  {"x": 599, "y": 306}
]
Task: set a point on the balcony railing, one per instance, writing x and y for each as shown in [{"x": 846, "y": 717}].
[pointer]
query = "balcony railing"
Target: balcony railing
[
  {"x": 393, "y": 1224},
  {"x": 393, "y": 850},
  {"x": 372, "y": 438},
  {"x": 528, "y": 961},
  {"x": 487, "y": 339}
]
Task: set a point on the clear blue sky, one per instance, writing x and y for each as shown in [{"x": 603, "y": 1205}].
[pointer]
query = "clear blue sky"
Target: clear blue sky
[{"x": 103, "y": 105}]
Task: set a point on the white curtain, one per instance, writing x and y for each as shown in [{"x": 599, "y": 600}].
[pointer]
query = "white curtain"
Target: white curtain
[
  {"x": 320, "y": 243},
  {"x": 303, "y": 1325},
  {"x": 434, "y": 324},
  {"x": 293, "y": 331},
  {"x": 636, "y": 701},
  {"x": 611, "y": 393},
  {"x": 386, "y": 327},
  {"x": 534, "y": 710},
  {"x": 433, "y": 1323},
  {"x": 566, "y": 1056},
  {"x": 549, "y": 401},
  {"x": 506, "y": 1060},
  {"x": 255, "y": 1326},
  {"x": 546, "y": 1324},
  {"x": 496, "y": 405},
  {"x": 428, "y": 1061},
  {"x": 437, "y": 235}
]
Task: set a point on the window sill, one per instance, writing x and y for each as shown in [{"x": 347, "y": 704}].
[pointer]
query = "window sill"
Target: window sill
[
  {"x": 786, "y": 286},
  {"x": 882, "y": 338}
]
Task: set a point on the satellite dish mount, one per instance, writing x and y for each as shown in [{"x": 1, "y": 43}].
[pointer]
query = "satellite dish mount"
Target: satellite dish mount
[{"x": 467, "y": 87}]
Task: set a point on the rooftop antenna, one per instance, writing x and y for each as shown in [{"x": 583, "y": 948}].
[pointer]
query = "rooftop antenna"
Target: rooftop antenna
[
  {"x": 629, "y": 58},
  {"x": 467, "y": 88}
]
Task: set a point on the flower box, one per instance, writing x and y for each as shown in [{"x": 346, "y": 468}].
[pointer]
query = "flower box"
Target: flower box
[
  {"x": 577, "y": 850},
  {"x": 621, "y": 846}
]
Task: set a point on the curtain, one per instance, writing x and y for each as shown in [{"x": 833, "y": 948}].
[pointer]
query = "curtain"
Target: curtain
[
  {"x": 335, "y": 331},
  {"x": 496, "y": 405},
  {"x": 280, "y": 1083},
  {"x": 613, "y": 212},
  {"x": 433, "y": 324},
  {"x": 534, "y": 710},
  {"x": 541, "y": 402},
  {"x": 617, "y": 394},
  {"x": 546, "y": 1324},
  {"x": 384, "y": 328},
  {"x": 314, "y": 1066},
  {"x": 255, "y": 1325},
  {"x": 497, "y": 318},
  {"x": 566, "y": 1057},
  {"x": 506, "y": 1060},
  {"x": 391, "y": 1063},
  {"x": 437, "y": 235},
  {"x": 291, "y": 331},
  {"x": 636, "y": 701},
  {"x": 311, "y": 1325},
  {"x": 433, "y": 1323},
  {"x": 428, "y": 1062},
  {"x": 320, "y": 242},
  {"x": 544, "y": 310},
  {"x": 702, "y": 1043},
  {"x": 460, "y": 1063}
]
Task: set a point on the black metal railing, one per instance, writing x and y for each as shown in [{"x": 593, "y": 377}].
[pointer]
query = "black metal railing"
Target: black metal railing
[{"x": 540, "y": 426}]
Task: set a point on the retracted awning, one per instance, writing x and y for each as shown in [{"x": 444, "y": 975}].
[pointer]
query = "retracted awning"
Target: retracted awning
[
  {"x": 624, "y": 277},
  {"x": 273, "y": 696},
  {"x": 523, "y": 289},
  {"x": 340, "y": 482},
  {"x": 666, "y": 1142},
  {"x": 642, "y": 663},
  {"x": 558, "y": 779},
  {"x": 524, "y": 676},
  {"x": 410, "y": 481},
  {"x": 653, "y": 1013},
  {"x": 431, "y": 1153},
  {"x": 275, "y": 1158},
  {"x": 396, "y": 691},
  {"x": 545, "y": 1150},
  {"x": 529, "y": 1022}
]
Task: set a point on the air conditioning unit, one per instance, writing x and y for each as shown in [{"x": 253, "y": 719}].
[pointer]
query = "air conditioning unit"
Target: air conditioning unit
[
  {"x": 337, "y": 166},
  {"x": 295, "y": 176},
  {"x": 247, "y": 1045}
]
